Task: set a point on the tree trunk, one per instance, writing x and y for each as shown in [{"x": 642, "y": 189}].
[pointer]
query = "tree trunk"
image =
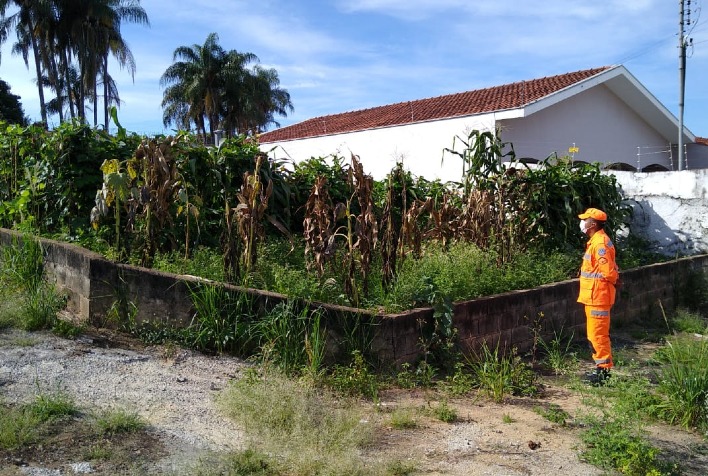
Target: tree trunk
[
  {"x": 58, "y": 86},
  {"x": 105, "y": 92},
  {"x": 40, "y": 86},
  {"x": 67, "y": 84}
]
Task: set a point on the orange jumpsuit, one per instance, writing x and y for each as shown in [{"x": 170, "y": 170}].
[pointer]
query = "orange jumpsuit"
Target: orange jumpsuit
[{"x": 598, "y": 276}]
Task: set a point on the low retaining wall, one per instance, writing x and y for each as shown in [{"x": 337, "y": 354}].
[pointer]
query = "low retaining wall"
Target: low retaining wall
[{"x": 93, "y": 284}]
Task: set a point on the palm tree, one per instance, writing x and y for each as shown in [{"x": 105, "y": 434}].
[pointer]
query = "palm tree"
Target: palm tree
[
  {"x": 208, "y": 84},
  {"x": 29, "y": 23},
  {"x": 260, "y": 100},
  {"x": 195, "y": 84},
  {"x": 92, "y": 28},
  {"x": 60, "y": 32}
]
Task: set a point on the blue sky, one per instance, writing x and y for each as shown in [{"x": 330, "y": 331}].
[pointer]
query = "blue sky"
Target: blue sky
[{"x": 342, "y": 55}]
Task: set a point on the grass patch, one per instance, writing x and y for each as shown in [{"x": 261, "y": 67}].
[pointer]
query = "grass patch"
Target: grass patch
[
  {"x": 18, "y": 427},
  {"x": 614, "y": 442},
  {"x": 689, "y": 322},
  {"x": 683, "y": 382},
  {"x": 248, "y": 462},
  {"x": 403, "y": 419},
  {"x": 52, "y": 407},
  {"x": 497, "y": 374},
  {"x": 119, "y": 421},
  {"x": 558, "y": 354},
  {"x": 23, "y": 425},
  {"x": 307, "y": 428},
  {"x": 553, "y": 413},
  {"x": 444, "y": 412}
]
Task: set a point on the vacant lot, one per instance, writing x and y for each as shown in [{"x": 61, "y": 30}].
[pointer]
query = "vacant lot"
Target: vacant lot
[{"x": 175, "y": 391}]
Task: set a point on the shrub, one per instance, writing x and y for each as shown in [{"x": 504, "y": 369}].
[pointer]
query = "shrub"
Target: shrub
[{"x": 614, "y": 443}]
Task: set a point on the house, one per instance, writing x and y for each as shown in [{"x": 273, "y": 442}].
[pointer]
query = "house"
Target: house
[{"x": 597, "y": 115}]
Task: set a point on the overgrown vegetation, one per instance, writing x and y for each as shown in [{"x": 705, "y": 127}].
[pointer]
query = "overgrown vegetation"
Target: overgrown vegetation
[
  {"x": 331, "y": 233},
  {"x": 165, "y": 201},
  {"x": 115, "y": 440},
  {"x": 30, "y": 301},
  {"x": 303, "y": 430}
]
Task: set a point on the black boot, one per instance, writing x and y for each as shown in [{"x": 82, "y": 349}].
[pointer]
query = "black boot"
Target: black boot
[{"x": 598, "y": 377}]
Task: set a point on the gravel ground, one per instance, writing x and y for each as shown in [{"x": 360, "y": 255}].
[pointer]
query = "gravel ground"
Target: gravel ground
[{"x": 174, "y": 390}]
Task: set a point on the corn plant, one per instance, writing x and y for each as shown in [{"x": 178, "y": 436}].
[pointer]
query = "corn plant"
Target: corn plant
[
  {"x": 318, "y": 227},
  {"x": 245, "y": 224},
  {"x": 391, "y": 221},
  {"x": 359, "y": 233},
  {"x": 150, "y": 191}
]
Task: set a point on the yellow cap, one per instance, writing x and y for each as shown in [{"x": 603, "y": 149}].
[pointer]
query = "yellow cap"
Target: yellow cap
[{"x": 593, "y": 213}]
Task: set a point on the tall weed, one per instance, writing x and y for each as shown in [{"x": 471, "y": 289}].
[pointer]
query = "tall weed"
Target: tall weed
[
  {"x": 23, "y": 278},
  {"x": 221, "y": 322},
  {"x": 683, "y": 381},
  {"x": 23, "y": 264},
  {"x": 558, "y": 353},
  {"x": 292, "y": 339},
  {"x": 498, "y": 374},
  {"x": 310, "y": 430}
]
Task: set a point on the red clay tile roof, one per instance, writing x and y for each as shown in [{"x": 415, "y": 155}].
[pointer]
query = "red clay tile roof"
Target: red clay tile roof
[
  {"x": 508, "y": 96},
  {"x": 702, "y": 140}
]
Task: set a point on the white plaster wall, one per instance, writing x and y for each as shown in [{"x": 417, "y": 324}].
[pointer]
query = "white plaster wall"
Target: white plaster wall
[
  {"x": 670, "y": 208},
  {"x": 419, "y": 146},
  {"x": 598, "y": 122}
]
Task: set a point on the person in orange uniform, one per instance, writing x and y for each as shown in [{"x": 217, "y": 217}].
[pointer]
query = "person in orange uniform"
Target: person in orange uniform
[{"x": 598, "y": 277}]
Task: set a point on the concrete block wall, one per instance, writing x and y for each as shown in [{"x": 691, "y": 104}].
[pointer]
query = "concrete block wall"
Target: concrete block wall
[
  {"x": 93, "y": 284},
  {"x": 507, "y": 319}
]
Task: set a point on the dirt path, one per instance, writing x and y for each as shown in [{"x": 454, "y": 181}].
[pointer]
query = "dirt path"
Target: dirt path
[{"x": 174, "y": 390}]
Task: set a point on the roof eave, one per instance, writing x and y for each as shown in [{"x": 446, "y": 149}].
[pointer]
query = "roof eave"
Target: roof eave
[{"x": 498, "y": 114}]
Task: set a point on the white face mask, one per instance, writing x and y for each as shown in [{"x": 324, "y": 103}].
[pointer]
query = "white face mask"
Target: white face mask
[{"x": 583, "y": 223}]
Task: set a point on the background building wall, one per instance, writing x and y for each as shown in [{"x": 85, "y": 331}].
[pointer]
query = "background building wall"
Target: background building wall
[
  {"x": 419, "y": 146},
  {"x": 598, "y": 123}
]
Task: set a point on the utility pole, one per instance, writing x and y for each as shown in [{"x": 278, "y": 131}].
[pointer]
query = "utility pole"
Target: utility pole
[{"x": 682, "y": 77}]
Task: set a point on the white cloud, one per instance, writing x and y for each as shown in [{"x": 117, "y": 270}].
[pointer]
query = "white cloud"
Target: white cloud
[{"x": 345, "y": 55}]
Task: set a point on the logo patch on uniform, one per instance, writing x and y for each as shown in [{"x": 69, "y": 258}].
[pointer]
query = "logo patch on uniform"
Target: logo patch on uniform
[{"x": 602, "y": 251}]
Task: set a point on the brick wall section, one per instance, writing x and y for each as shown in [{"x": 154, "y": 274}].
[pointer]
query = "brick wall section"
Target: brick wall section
[
  {"x": 93, "y": 283},
  {"x": 506, "y": 319}
]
